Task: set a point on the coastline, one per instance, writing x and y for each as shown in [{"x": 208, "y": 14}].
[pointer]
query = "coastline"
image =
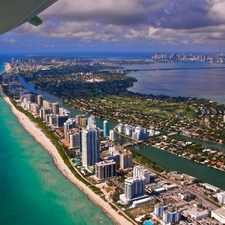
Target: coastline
[{"x": 40, "y": 137}]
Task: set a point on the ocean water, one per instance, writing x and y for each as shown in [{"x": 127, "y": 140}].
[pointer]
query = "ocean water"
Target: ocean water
[
  {"x": 32, "y": 190},
  {"x": 2, "y": 67}
]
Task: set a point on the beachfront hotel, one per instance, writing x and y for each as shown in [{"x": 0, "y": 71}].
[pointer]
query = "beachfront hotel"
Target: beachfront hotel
[
  {"x": 134, "y": 189},
  {"x": 90, "y": 141},
  {"x": 105, "y": 169}
]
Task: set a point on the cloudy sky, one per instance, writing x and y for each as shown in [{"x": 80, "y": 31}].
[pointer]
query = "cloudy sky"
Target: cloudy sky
[{"x": 124, "y": 25}]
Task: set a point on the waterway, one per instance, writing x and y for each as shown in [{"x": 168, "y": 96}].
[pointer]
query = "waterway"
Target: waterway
[
  {"x": 162, "y": 158},
  {"x": 206, "y": 144},
  {"x": 182, "y": 165}
]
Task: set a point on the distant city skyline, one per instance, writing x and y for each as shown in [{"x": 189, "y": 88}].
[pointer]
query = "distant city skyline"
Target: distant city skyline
[{"x": 128, "y": 25}]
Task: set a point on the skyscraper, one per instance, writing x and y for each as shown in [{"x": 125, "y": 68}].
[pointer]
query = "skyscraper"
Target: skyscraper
[
  {"x": 55, "y": 108},
  {"x": 90, "y": 144},
  {"x": 40, "y": 99},
  {"x": 105, "y": 129},
  {"x": 134, "y": 187}
]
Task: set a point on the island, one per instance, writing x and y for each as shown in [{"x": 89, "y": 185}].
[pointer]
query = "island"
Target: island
[{"x": 128, "y": 186}]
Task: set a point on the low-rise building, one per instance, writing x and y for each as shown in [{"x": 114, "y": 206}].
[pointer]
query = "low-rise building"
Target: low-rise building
[
  {"x": 221, "y": 197},
  {"x": 197, "y": 214},
  {"x": 186, "y": 195},
  {"x": 219, "y": 215},
  {"x": 211, "y": 187},
  {"x": 144, "y": 201}
]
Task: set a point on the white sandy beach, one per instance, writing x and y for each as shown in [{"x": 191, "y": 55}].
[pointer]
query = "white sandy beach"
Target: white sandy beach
[{"x": 40, "y": 137}]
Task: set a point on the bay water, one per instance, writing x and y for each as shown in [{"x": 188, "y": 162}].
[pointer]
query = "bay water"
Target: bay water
[{"x": 202, "y": 80}]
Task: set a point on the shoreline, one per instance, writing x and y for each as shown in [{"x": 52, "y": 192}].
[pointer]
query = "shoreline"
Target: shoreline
[{"x": 40, "y": 137}]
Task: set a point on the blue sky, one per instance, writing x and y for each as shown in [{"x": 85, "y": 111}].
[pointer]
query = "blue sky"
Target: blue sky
[{"x": 126, "y": 25}]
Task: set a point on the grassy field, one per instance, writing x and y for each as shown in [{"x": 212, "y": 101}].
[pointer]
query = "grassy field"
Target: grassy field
[{"x": 138, "y": 106}]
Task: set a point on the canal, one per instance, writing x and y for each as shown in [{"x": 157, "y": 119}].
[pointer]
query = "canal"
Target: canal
[{"x": 162, "y": 158}]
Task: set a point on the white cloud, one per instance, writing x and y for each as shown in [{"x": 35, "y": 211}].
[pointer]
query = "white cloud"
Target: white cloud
[
  {"x": 9, "y": 40},
  {"x": 165, "y": 21}
]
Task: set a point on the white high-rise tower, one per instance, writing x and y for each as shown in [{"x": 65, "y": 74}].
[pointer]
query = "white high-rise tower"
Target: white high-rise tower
[{"x": 90, "y": 144}]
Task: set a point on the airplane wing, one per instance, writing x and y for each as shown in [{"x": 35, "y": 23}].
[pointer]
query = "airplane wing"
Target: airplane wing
[{"x": 13, "y": 13}]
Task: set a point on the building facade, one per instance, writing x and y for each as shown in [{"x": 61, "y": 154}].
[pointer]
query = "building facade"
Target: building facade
[
  {"x": 105, "y": 128},
  {"x": 126, "y": 160},
  {"x": 134, "y": 187},
  {"x": 105, "y": 169},
  {"x": 112, "y": 135},
  {"x": 90, "y": 144},
  {"x": 141, "y": 171}
]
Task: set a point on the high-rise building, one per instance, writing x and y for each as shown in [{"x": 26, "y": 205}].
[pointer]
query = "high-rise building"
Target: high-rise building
[
  {"x": 90, "y": 144},
  {"x": 75, "y": 140},
  {"x": 70, "y": 124},
  {"x": 30, "y": 97},
  {"x": 141, "y": 171},
  {"x": 134, "y": 187},
  {"x": 126, "y": 160},
  {"x": 64, "y": 112},
  {"x": 60, "y": 120},
  {"x": 105, "y": 169},
  {"x": 171, "y": 216},
  {"x": 105, "y": 128},
  {"x": 83, "y": 122},
  {"x": 52, "y": 119},
  {"x": 13, "y": 87},
  {"x": 78, "y": 119},
  {"x": 159, "y": 209},
  {"x": 55, "y": 108},
  {"x": 35, "y": 108},
  {"x": 112, "y": 135},
  {"x": 40, "y": 100},
  {"x": 120, "y": 128},
  {"x": 47, "y": 104},
  {"x": 44, "y": 112},
  {"x": 91, "y": 122}
]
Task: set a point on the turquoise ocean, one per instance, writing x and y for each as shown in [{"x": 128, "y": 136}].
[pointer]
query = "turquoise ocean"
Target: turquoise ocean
[{"x": 32, "y": 190}]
